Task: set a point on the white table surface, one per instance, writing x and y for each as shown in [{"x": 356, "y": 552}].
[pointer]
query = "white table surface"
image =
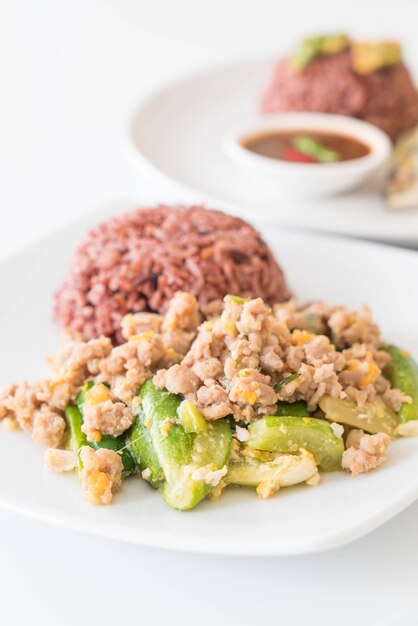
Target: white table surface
[{"x": 71, "y": 75}]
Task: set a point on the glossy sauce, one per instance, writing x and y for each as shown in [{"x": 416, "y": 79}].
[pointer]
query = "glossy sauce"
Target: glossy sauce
[{"x": 281, "y": 145}]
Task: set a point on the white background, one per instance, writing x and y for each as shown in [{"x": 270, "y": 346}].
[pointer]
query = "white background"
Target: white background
[{"x": 71, "y": 75}]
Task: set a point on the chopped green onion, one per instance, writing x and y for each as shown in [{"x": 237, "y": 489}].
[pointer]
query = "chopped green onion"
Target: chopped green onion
[
  {"x": 286, "y": 380},
  {"x": 236, "y": 299},
  {"x": 312, "y": 148},
  {"x": 191, "y": 418}
]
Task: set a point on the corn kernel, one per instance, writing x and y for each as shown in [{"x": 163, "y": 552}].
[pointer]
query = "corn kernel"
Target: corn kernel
[
  {"x": 299, "y": 337},
  {"x": 229, "y": 327},
  {"x": 247, "y": 396},
  {"x": 97, "y": 394},
  {"x": 245, "y": 372},
  {"x": 98, "y": 487},
  {"x": 372, "y": 373},
  {"x": 96, "y": 436},
  {"x": 141, "y": 337}
]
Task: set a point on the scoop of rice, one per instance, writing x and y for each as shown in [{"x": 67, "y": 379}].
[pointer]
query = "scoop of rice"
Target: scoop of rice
[
  {"x": 387, "y": 97},
  {"x": 136, "y": 262}
]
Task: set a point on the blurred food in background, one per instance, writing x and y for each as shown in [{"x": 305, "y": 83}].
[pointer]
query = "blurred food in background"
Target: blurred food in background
[
  {"x": 334, "y": 74},
  {"x": 401, "y": 189}
]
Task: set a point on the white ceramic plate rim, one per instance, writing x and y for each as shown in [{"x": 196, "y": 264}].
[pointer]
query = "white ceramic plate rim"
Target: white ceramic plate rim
[{"x": 219, "y": 546}]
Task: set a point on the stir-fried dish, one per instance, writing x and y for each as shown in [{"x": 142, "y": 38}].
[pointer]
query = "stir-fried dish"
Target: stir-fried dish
[{"x": 246, "y": 394}]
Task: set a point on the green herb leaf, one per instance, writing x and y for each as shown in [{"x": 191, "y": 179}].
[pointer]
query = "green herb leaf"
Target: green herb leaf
[
  {"x": 307, "y": 145},
  {"x": 286, "y": 380}
]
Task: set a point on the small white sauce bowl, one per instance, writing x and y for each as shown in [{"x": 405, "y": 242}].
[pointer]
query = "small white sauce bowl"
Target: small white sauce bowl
[{"x": 308, "y": 178}]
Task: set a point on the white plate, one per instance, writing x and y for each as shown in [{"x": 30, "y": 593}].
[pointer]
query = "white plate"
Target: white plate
[
  {"x": 297, "y": 520},
  {"x": 179, "y": 131}
]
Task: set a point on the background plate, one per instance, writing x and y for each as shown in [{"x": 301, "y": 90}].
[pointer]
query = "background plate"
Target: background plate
[
  {"x": 297, "y": 520},
  {"x": 178, "y": 132}
]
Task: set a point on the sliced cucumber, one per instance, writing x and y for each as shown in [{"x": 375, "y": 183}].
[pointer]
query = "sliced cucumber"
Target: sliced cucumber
[
  {"x": 179, "y": 453},
  {"x": 403, "y": 374},
  {"x": 373, "y": 417},
  {"x": 143, "y": 451},
  {"x": 171, "y": 443},
  {"x": 77, "y": 439},
  {"x": 210, "y": 450},
  {"x": 299, "y": 409},
  {"x": 285, "y": 470},
  {"x": 287, "y": 434}
]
